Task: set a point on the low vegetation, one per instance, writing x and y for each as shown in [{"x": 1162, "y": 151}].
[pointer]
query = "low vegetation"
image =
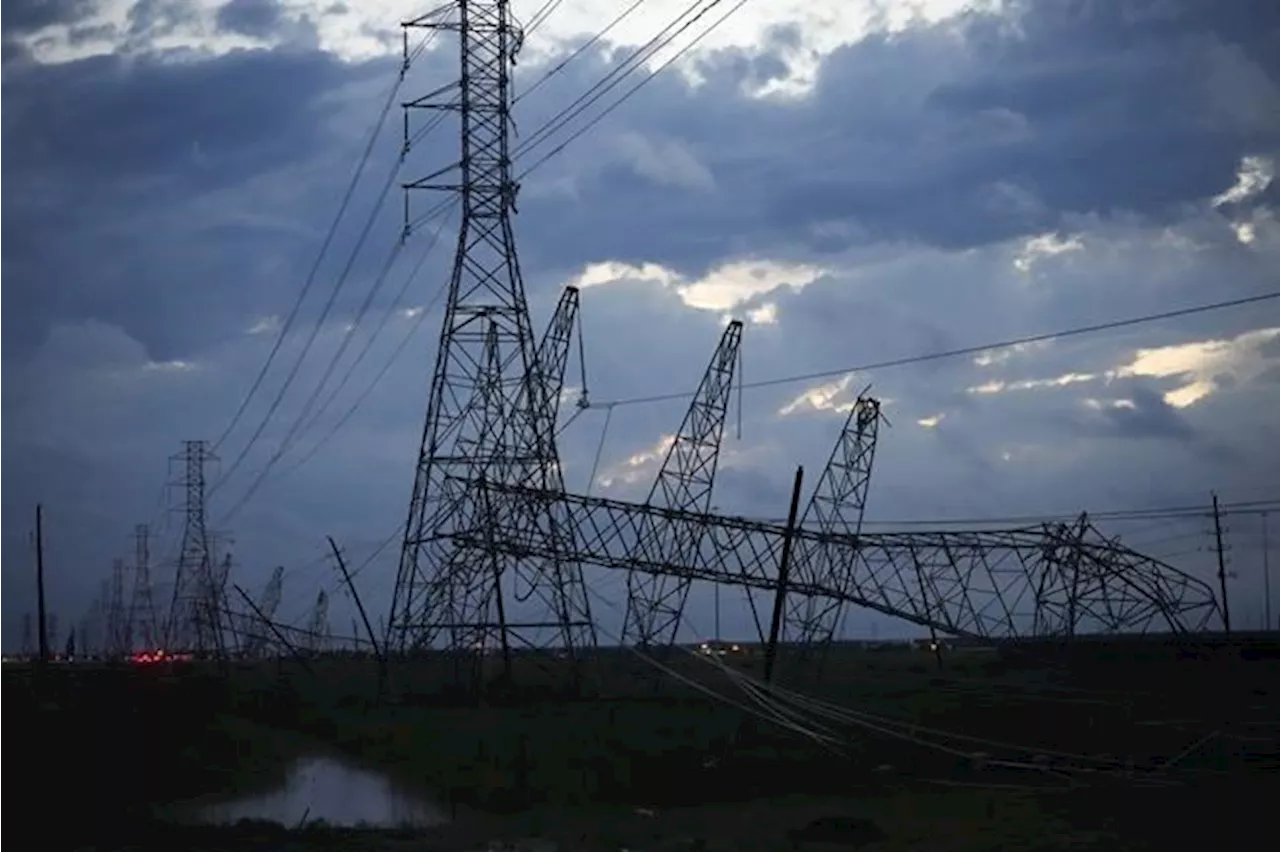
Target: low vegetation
[{"x": 621, "y": 758}]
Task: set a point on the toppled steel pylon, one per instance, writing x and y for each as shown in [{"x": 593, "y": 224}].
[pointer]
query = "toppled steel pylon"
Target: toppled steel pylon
[{"x": 489, "y": 514}]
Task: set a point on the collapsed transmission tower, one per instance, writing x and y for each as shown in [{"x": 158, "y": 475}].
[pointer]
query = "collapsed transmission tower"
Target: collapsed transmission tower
[
  {"x": 195, "y": 615},
  {"x": 835, "y": 508},
  {"x": 974, "y": 584},
  {"x": 257, "y": 625},
  {"x": 655, "y": 602},
  {"x": 491, "y": 409},
  {"x": 316, "y": 639}
]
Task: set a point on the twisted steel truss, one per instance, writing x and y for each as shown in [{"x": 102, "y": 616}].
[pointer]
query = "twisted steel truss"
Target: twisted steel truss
[{"x": 992, "y": 585}]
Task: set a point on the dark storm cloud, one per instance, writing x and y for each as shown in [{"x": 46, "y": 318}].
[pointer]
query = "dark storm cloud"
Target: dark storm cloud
[
  {"x": 27, "y": 16},
  {"x": 960, "y": 134},
  {"x": 250, "y": 17},
  {"x": 127, "y": 223},
  {"x": 177, "y": 201},
  {"x": 1149, "y": 416}
]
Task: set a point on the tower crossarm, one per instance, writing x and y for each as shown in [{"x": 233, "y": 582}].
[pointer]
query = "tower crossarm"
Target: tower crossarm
[{"x": 980, "y": 584}]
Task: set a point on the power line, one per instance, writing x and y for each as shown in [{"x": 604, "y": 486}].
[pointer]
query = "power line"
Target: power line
[
  {"x": 627, "y": 95},
  {"x": 392, "y": 307},
  {"x": 967, "y": 350},
  {"x": 292, "y": 317},
  {"x": 1167, "y": 513},
  {"x": 582, "y": 48},
  {"x": 616, "y": 75},
  {"x": 315, "y": 330},
  {"x": 540, "y": 16},
  {"x": 374, "y": 382}
]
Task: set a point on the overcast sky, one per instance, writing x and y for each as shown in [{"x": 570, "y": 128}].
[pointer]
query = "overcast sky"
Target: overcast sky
[{"x": 857, "y": 180}]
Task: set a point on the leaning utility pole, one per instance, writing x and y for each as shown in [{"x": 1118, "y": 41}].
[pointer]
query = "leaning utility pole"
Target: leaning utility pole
[
  {"x": 1222, "y": 567},
  {"x": 487, "y": 413}
]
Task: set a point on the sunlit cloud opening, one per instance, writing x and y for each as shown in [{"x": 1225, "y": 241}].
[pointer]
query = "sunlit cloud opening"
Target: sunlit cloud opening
[
  {"x": 932, "y": 421},
  {"x": 168, "y": 366},
  {"x": 996, "y": 386},
  {"x": 999, "y": 356},
  {"x": 638, "y": 467},
  {"x": 1199, "y": 368},
  {"x": 1045, "y": 245},
  {"x": 721, "y": 289},
  {"x": 831, "y": 396},
  {"x": 1252, "y": 178},
  {"x": 264, "y": 325}
]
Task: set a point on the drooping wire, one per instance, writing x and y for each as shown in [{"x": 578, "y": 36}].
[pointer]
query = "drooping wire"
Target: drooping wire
[
  {"x": 392, "y": 307},
  {"x": 375, "y": 381},
  {"x": 973, "y": 350},
  {"x": 366, "y": 154},
  {"x": 604, "y": 433}
]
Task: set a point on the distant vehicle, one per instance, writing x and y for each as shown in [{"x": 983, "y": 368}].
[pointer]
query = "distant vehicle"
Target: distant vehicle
[{"x": 716, "y": 648}]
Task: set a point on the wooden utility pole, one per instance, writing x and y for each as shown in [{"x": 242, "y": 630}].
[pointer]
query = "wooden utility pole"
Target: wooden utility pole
[
  {"x": 1222, "y": 567},
  {"x": 784, "y": 569},
  {"x": 364, "y": 616},
  {"x": 42, "y": 626}
]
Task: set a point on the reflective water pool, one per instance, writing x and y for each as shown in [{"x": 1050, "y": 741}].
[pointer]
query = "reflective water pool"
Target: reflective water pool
[{"x": 323, "y": 788}]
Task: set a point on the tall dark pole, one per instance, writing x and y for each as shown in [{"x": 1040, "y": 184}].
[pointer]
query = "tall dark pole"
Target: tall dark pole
[
  {"x": 1266, "y": 574},
  {"x": 1222, "y": 567},
  {"x": 784, "y": 569},
  {"x": 44, "y": 634}
]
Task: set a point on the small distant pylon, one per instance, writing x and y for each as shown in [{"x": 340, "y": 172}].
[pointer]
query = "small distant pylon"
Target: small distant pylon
[
  {"x": 119, "y": 630},
  {"x": 28, "y": 636},
  {"x": 195, "y": 616},
  {"x": 317, "y": 638},
  {"x": 142, "y": 607}
]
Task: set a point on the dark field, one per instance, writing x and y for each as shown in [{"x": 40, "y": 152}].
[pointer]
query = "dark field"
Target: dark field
[{"x": 548, "y": 758}]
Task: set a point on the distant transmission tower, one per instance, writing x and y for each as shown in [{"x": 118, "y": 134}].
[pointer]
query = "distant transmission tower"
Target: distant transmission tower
[
  {"x": 195, "y": 622},
  {"x": 119, "y": 629},
  {"x": 488, "y": 416},
  {"x": 142, "y": 607},
  {"x": 317, "y": 637},
  {"x": 28, "y": 636}
]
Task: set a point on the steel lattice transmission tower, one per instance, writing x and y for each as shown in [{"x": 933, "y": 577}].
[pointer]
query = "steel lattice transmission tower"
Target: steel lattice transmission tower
[
  {"x": 195, "y": 615},
  {"x": 836, "y": 508},
  {"x": 488, "y": 413},
  {"x": 142, "y": 606},
  {"x": 655, "y": 602}
]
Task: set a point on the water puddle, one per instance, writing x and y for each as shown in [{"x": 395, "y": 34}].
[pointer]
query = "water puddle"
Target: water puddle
[{"x": 322, "y": 788}]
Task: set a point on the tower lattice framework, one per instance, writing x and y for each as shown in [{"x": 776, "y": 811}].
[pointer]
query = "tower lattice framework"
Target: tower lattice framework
[
  {"x": 195, "y": 622},
  {"x": 489, "y": 415},
  {"x": 143, "y": 605}
]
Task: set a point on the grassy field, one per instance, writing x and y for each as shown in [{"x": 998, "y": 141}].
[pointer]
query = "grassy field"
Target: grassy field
[{"x": 546, "y": 758}]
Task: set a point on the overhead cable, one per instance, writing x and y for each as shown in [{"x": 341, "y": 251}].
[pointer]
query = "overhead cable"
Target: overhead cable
[{"x": 971, "y": 350}]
